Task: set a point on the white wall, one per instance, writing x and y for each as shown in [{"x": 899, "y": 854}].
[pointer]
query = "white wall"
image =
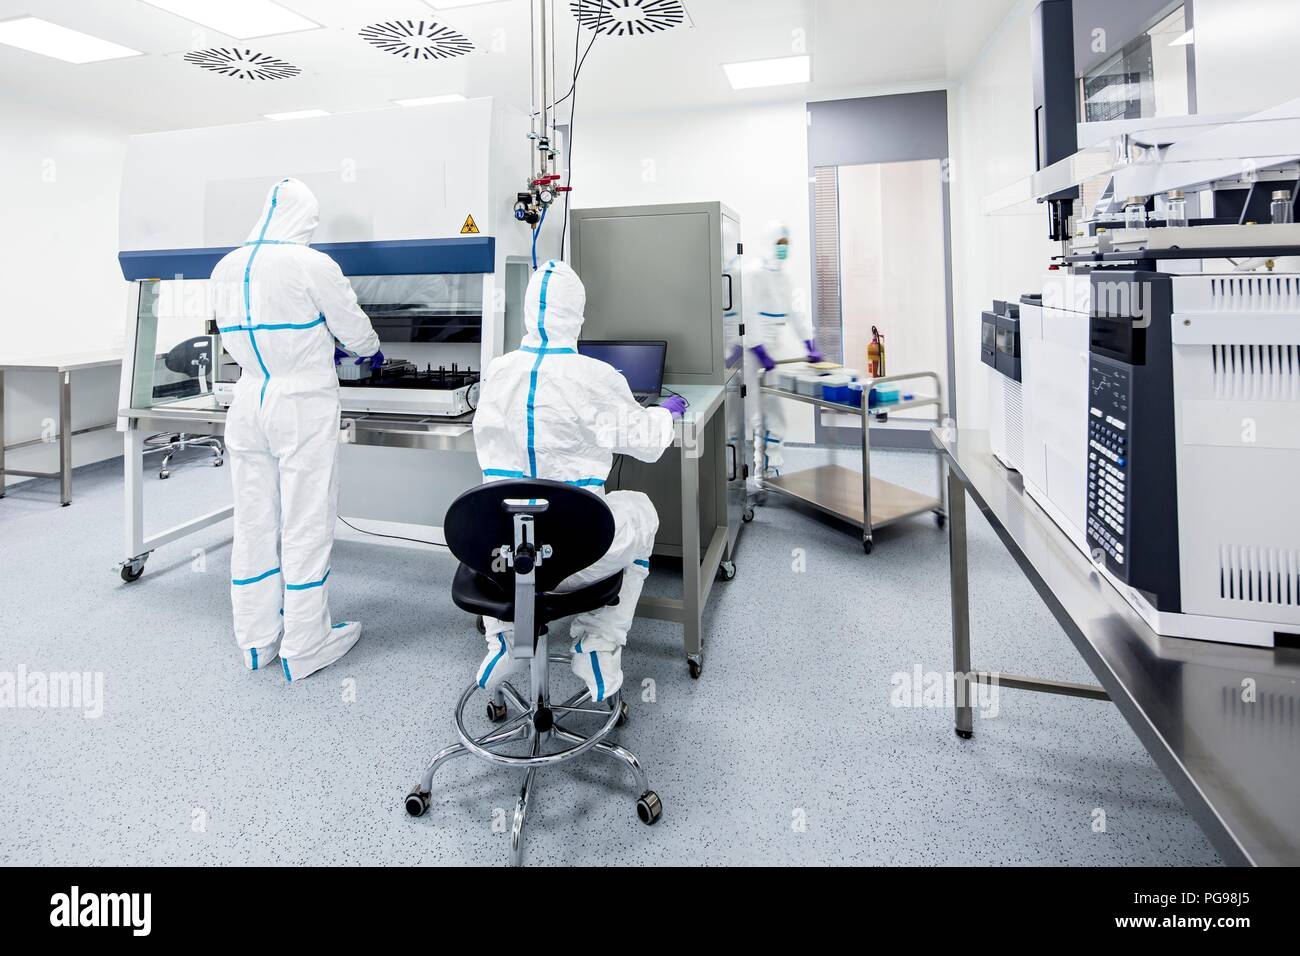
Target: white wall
[
  {"x": 998, "y": 256},
  {"x": 62, "y": 291},
  {"x": 753, "y": 159},
  {"x": 1245, "y": 54}
]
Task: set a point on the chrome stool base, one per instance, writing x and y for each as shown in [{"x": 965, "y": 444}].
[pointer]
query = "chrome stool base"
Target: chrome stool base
[{"x": 537, "y": 724}]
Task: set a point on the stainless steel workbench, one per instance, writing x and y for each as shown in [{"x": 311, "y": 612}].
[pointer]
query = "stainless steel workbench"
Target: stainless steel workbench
[
  {"x": 1221, "y": 721},
  {"x": 62, "y": 368},
  {"x": 202, "y": 415},
  {"x": 713, "y": 545}
]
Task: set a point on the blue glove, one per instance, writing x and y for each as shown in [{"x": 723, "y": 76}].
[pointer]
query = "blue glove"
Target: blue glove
[
  {"x": 813, "y": 354},
  {"x": 339, "y": 355},
  {"x": 764, "y": 359},
  {"x": 675, "y": 404},
  {"x": 375, "y": 360}
]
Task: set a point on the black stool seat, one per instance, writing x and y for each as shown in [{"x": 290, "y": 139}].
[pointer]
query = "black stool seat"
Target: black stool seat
[{"x": 479, "y": 594}]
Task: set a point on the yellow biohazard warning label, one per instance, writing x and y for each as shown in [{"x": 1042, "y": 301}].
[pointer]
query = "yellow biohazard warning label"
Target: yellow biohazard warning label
[{"x": 470, "y": 227}]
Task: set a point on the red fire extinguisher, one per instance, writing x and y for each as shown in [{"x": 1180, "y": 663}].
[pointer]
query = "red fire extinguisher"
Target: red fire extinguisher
[{"x": 876, "y": 354}]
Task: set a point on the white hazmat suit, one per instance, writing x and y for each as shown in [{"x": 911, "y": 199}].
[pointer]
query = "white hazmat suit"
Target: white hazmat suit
[
  {"x": 769, "y": 309},
  {"x": 547, "y": 412},
  {"x": 279, "y": 306}
]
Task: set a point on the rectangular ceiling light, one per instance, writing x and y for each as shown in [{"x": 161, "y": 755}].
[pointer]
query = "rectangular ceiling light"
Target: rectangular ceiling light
[
  {"x": 296, "y": 114},
  {"x": 49, "y": 39},
  {"x": 241, "y": 19},
  {"x": 781, "y": 71},
  {"x": 430, "y": 100}
]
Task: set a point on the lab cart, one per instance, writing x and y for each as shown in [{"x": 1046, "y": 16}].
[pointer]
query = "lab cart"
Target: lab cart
[{"x": 859, "y": 498}]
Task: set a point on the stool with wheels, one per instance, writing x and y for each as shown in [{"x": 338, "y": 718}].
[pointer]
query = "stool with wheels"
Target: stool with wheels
[{"x": 517, "y": 541}]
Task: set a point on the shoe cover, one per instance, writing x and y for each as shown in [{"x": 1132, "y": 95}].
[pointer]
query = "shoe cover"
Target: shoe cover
[
  {"x": 261, "y": 658},
  {"x": 600, "y": 670},
  {"x": 496, "y": 664},
  {"x": 337, "y": 643}
]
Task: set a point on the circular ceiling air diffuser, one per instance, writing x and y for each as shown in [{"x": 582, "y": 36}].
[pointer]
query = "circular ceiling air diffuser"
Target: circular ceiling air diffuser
[
  {"x": 416, "y": 39},
  {"x": 625, "y": 18},
  {"x": 242, "y": 64}
]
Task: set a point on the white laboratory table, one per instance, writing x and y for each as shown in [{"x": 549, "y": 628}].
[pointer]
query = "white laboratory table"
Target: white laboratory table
[{"x": 63, "y": 367}]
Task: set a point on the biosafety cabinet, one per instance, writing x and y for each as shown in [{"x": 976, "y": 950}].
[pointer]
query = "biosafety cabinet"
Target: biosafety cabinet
[
  {"x": 673, "y": 273},
  {"x": 416, "y": 207}
]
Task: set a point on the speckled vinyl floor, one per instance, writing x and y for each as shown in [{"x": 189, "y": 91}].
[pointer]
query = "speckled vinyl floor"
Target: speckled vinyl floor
[{"x": 790, "y": 750}]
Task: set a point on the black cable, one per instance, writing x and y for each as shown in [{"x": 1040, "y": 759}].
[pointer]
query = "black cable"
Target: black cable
[
  {"x": 395, "y": 537},
  {"x": 573, "y": 108},
  {"x": 665, "y": 388}
]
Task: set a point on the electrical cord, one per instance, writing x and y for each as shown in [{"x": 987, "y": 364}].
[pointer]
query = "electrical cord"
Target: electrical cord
[
  {"x": 395, "y": 537},
  {"x": 675, "y": 394},
  {"x": 573, "y": 108}
]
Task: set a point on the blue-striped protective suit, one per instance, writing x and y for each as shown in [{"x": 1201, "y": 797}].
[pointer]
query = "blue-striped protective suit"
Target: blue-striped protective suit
[
  {"x": 547, "y": 412},
  {"x": 280, "y": 305}
]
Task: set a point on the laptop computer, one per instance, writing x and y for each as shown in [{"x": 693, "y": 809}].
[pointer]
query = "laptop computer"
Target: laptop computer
[{"x": 640, "y": 362}]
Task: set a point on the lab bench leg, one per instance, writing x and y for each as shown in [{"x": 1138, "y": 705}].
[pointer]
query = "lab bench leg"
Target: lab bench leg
[
  {"x": 867, "y": 536},
  {"x": 960, "y": 581},
  {"x": 691, "y": 560},
  {"x": 65, "y": 438},
  {"x": 2, "y": 434}
]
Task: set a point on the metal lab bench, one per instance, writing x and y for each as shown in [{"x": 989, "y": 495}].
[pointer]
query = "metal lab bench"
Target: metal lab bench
[
  {"x": 63, "y": 369},
  {"x": 857, "y": 497},
  {"x": 705, "y": 551},
  {"x": 1235, "y": 764},
  {"x": 199, "y": 414},
  {"x": 714, "y": 545}
]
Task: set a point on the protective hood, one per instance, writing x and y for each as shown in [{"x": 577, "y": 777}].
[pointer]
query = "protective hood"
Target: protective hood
[
  {"x": 553, "y": 307},
  {"x": 291, "y": 214},
  {"x": 773, "y": 232}
]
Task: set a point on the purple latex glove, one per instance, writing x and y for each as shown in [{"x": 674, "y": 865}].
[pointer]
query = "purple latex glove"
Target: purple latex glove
[
  {"x": 375, "y": 360},
  {"x": 339, "y": 355},
  {"x": 733, "y": 356},
  {"x": 764, "y": 359},
  {"x": 675, "y": 404},
  {"x": 813, "y": 354}
]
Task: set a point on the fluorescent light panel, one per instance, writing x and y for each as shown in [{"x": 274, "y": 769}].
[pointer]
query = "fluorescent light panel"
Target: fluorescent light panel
[
  {"x": 296, "y": 114},
  {"x": 241, "y": 19},
  {"x": 781, "y": 71},
  {"x": 49, "y": 39},
  {"x": 430, "y": 100}
]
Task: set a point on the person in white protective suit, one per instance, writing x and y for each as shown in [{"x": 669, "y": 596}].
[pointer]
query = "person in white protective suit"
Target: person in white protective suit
[
  {"x": 279, "y": 306},
  {"x": 769, "y": 309},
  {"x": 547, "y": 412}
]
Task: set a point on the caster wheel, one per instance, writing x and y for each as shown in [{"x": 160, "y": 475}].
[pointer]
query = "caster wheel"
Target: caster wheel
[
  {"x": 696, "y": 667},
  {"x": 748, "y": 515},
  {"x": 940, "y": 518},
  {"x": 965, "y": 734},
  {"x": 218, "y": 462},
  {"x": 132, "y": 572},
  {"x": 164, "y": 475},
  {"x": 623, "y": 715},
  {"x": 649, "y": 808},
  {"x": 867, "y": 546},
  {"x": 727, "y": 570},
  {"x": 496, "y": 712},
  {"x": 417, "y": 803}
]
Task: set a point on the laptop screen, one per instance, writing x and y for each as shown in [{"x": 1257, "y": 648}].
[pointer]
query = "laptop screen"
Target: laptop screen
[{"x": 641, "y": 363}]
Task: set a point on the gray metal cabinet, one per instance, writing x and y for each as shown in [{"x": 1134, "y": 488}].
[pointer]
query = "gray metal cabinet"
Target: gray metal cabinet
[{"x": 673, "y": 272}]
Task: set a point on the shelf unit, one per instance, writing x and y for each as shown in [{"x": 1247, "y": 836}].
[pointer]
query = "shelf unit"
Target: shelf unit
[{"x": 859, "y": 498}]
